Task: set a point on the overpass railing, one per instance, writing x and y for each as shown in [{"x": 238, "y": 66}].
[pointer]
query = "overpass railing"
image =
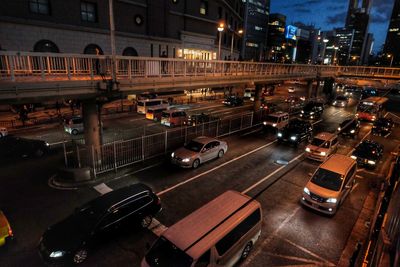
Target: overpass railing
[{"x": 26, "y": 66}]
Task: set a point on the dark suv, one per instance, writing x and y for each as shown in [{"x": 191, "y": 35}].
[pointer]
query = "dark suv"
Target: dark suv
[
  {"x": 349, "y": 127},
  {"x": 368, "y": 153},
  {"x": 196, "y": 119},
  {"x": 295, "y": 132},
  {"x": 70, "y": 239},
  {"x": 233, "y": 101},
  {"x": 382, "y": 126},
  {"x": 312, "y": 110}
]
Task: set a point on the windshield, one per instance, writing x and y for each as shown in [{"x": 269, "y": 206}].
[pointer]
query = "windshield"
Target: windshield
[
  {"x": 318, "y": 142},
  {"x": 164, "y": 253},
  {"x": 194, "y": 146},
  {"x": 366, "y": 108},
  {"x": 366, "y": 150},
  {"x": 140, "y": 103},
  {"x": 271, "y": 118},
  {"x": 165, "y": 115},
  {"x": 308, "y": 107},
  {"x": 327, "y": 179}
]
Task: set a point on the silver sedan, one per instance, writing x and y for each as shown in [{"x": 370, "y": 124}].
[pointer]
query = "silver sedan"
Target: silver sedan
[{"x": 197, "y": 151}]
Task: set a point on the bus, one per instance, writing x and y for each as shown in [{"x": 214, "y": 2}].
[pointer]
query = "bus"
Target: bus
[
  {"x": 144, "y": 105},
  {"x": 371, "y": 108}
]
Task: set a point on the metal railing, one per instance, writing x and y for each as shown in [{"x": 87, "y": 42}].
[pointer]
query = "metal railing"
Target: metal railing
[
  {"x": 119, "y": 154},
  {"x": 27, "y": 66}
]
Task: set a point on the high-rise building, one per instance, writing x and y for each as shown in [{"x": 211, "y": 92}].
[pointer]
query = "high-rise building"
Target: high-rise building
[
  {"x": 255, "y": 29},
  {"x": 276, "y": 37},
  {"x": 344, "y": 43},
  {"x": 392, "y": 44},
  {"x": 181, "y": 28}
]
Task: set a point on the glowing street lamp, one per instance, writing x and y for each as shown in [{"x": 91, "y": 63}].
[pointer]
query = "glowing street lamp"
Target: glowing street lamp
[
  {"x": 220, "y": 28},
  {"x": 391, "y": 59},
  {"x": 239, "y": 32}
]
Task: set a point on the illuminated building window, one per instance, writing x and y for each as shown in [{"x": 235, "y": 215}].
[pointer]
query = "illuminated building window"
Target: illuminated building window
[
  {"x": 251, "y": 44},
  {"x": 203, "y": 7},
  {"x": 39, "y": 6},
  {"x": 394, "y": 30},
  {"x": 88, "y": 11}
]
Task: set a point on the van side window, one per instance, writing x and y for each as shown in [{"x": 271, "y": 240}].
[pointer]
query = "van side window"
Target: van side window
[
  {"x": 334, "y": 141},
  {"x": 240, "y": 230},
  {"x": 350, "y": 174},
  {"x": 204, "y": 260}
]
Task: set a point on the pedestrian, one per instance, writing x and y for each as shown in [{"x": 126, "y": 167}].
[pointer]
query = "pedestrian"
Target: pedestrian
[
  {"x": 23, "y": 114},
  {"x": 164, "y": 62}
]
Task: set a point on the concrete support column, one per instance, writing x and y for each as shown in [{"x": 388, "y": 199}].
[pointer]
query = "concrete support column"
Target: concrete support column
[
  {"x": 91, "y": 124},
  {"x": 257, "y": 98},
  {"x": 317, "y": 89},
  {"x": 310, "y": 88}
]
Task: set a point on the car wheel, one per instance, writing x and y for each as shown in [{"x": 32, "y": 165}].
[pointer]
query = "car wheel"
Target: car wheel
[
  {"x": 80, "y": 256},
  {"x": 221, "y": 153},
  {"x": 74, "y": 132},
  {"x": 246, "y": 250},
  {"x": 146, "y": 221},
  {"x": 196, "y": 163},
  {"x": 39, "y": 153}
]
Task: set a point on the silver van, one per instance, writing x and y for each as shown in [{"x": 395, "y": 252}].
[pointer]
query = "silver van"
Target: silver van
[
  {"x": 74, "y": 125},
  {"x": 221, "y": 233}
]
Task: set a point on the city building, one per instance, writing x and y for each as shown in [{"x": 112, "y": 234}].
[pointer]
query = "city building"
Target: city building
[
  {"x": 306, "y": 43},
  {"x": 255, "y": 29},
  {"x": 344, "y": 42},
  {"x": 392, "y": 44},
  {"x": 276, "y": 38},
  {"x": 178, "y": 28}
]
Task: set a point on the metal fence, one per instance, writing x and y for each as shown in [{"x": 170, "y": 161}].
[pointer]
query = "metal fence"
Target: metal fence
[{"x": 119, "y": 154}]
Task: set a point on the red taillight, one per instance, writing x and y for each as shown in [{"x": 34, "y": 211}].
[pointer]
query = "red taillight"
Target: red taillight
[{"x": 10, "y": 232}]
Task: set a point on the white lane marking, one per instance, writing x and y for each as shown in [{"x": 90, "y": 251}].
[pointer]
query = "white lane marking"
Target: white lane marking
[
  {"x": 270, "y": 175},
  {"x": 309, "y": 252},
  {"x": 206, "y": 107},
  {"x": 139, "y": 119},
  {"x": 298, "y": 259},
  {"x": 335, "y": 113},
  {"x": 213, "y": 169},
  {"x": 102, "y": 188},
  {"x": 260, "y": 247},
  {"x": 156, "y": 227}
]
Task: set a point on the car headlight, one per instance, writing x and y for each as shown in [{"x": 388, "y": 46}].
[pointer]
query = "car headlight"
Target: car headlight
[
  {"x": 353, "y": 157},
  {"x": 339, "y": 128},
  {"x": 279, "y": 134},
  {"x": 293, "y": 138},
  {"x": 323, "y": 153},
  {"x": 57, "y": 254},
  {"x": 311, "y": 113},
  {"x": 302, "y": 111},
  {"x": 47, "y": 144},
  {"x": 334, "y": 102},
  {"x": 306, "y": 191},
  {"x": 172, "y": 154},
  {"x": 274, "y": 125},
  {"x": 371, "y": 162},
  {"x": 186, "y": 160},
  {"x": 357, "y": 115},
  {"x": 331, "y": 200},
  {"x": 265, "y": 123},
  {"x": 308, "y": 149},
  {"x": 352, "y": 131}
]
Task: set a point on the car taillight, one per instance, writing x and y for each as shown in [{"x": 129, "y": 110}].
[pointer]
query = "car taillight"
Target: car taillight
[{"x": 10, "y": 232}]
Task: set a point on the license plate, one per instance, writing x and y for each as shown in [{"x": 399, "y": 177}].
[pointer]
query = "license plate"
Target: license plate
[{"x": 315, "y": 205}]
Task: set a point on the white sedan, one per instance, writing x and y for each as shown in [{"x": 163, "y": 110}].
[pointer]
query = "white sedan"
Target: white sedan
[
  {"x": 3, "y": 132},
  {"x": 197, "y": 151}
]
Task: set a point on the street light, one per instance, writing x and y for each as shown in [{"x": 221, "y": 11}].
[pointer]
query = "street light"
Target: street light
[
  {"x": 239, "y": 32},
  {"x": 391, "y": 59},
  {"x": 334, "y": 55},
  {"x": 220, "y": 30},
  {"x": 325, "y": 41}
]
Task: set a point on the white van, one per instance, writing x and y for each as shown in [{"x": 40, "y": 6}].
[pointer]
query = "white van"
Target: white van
[
  {"x": 145, "y": 104},
  {"x": 220, "y": 233},
  {"x": 249, "y": 93},
  {"x": 322, "y": 146}
]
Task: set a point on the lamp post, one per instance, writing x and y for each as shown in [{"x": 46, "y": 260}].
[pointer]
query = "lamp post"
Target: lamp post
[
  {"x": 334, "y": 55},
  {"x": 233, "y": 35},
  {"x": 391, "y": 59},
  {"x": 220, "y": 30},
  {"x": 325, "y": 41}
]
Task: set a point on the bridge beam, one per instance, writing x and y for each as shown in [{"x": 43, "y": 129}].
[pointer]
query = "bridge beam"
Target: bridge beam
[{"x": 92, "y": 129}]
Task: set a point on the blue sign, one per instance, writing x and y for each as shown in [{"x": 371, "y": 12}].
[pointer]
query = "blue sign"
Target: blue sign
[{"x": 291, "y": 32}]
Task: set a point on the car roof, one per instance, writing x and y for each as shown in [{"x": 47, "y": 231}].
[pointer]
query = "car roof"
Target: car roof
[
  {"x": 112, "y": 198},
  {"x": 325, "y": 136},
  {"x": 338, "y": 163},
  {"x": 369, "y": 142},
  {"x": 204, "y": 139},
  {"x": 278, "y": 114},
  {"x": 193, "y": 235}
]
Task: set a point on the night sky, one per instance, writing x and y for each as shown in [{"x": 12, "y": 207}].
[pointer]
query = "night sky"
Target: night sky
[{"x": 329, "y": 14}]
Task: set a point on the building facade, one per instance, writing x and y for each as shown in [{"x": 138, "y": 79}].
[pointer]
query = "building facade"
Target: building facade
[
  {"x": 178, "y": 28},
  {"x": 255, "y": 29},
  {"x": 392, "y": 44},
  {"x": 344, "y": 42},
  {"x": 276, "y": 38}
]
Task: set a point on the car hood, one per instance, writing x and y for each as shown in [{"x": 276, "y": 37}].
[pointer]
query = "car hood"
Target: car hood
[
  {"x": 66, "y": 235},
  {"x": 316, "y": 148},
  {"x": 184, "y": 153},
  {"x": 321, "y": 191}
]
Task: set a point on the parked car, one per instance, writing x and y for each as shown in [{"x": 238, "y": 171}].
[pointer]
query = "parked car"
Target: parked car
[
  {"x": 70, "y": 240},
  {"x": 276, "y": 120},
  {"x": 340, "y": 101},
  {"x": 330, "y": 184},
  {"x": 312, "y": 110},
  {"x": 3, "y": 132},
  {"x": 13, "y": 146},
  {"x": 322, "y": 146},
  {"x": 349, "y": 127},
  {"x": 74, "y": 125},
  {"x": 6, "y": 232},
  {"x": 173, "y": 117},
  {"x": 295, "y": 132},
  {"x": 198, "y": 151},
  {"x": 368, "y": 153},
  {"x": 196, "y": 119},
  {"x": 233, "y": 101},
  {"x": 382, "y": 126}
]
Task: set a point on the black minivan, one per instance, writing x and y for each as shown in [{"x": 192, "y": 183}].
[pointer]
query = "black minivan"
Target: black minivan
[{"x": 69, "y": 240}]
